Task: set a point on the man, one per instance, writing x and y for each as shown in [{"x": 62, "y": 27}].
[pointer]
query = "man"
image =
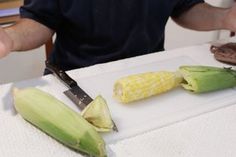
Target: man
[{"x": 98, "y": 31}]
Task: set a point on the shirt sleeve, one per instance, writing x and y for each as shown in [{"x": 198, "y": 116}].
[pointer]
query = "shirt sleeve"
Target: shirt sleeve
[
  {"x": 183, "y": 5},
  {"x": 45, "y": 12}
]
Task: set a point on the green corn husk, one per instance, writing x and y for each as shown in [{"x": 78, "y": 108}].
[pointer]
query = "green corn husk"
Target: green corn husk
[
  {"x": 59, "y": 121},
  {"x": 201, "y": 79},
  {"x": 97, "y": 113}
]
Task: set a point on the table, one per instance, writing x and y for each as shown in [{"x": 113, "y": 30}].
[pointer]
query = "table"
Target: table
[{"x": 210, "y": 133}]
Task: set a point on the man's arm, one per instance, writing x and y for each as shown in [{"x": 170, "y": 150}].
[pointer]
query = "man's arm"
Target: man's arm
[
  {"x": 204, "y": 17},
  {"x": 24, "y": 35}
]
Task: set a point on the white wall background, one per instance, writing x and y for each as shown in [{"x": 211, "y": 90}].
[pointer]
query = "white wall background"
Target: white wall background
[
  {"x": 25, "y": 65},
  {"x": 22, "y": 65}
]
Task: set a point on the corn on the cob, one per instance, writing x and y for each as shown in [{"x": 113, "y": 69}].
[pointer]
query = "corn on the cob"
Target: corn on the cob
[
  {"x": 140, "y": 86},
  {"x": 59, "y": 121},
  {"x": 201, "y": 79},
  {"x": 97, "y": 113}
]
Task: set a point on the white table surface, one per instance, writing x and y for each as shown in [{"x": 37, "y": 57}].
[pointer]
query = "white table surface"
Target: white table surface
[{"x": 204, "y": 135}]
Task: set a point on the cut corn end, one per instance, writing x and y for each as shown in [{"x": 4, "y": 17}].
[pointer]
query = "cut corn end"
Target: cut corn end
[
  {"x": 97, "y": 113},
  {"x": 200, "y": 79}
]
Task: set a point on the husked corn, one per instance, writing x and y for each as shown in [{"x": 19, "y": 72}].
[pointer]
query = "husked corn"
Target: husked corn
[{"x": 140, "y": 86}]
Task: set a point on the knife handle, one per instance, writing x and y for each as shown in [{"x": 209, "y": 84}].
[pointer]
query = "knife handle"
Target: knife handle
[{"x": 66, "y": 79}]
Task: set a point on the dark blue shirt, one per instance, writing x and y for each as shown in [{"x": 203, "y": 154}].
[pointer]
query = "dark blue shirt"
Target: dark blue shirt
[{"x": 98, "y": 31}]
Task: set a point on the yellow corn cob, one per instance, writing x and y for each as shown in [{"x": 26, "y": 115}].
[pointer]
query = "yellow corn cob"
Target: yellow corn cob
[{"x": 140, "y": 86}]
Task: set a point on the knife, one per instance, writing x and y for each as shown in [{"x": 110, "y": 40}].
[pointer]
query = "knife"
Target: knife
[{"x": 75, "y": 93}]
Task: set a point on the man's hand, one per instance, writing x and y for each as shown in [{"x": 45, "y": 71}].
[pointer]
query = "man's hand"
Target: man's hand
[{"x": 6, "y": 43}]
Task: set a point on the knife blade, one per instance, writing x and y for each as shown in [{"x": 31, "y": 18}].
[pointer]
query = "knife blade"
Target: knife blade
[{"x": 75, "y": 93}]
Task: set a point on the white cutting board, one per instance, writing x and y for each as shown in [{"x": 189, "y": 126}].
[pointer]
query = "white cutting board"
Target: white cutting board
[
  {"x": 141, "y": 116},
  {"x": 157, "y": 111}
]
